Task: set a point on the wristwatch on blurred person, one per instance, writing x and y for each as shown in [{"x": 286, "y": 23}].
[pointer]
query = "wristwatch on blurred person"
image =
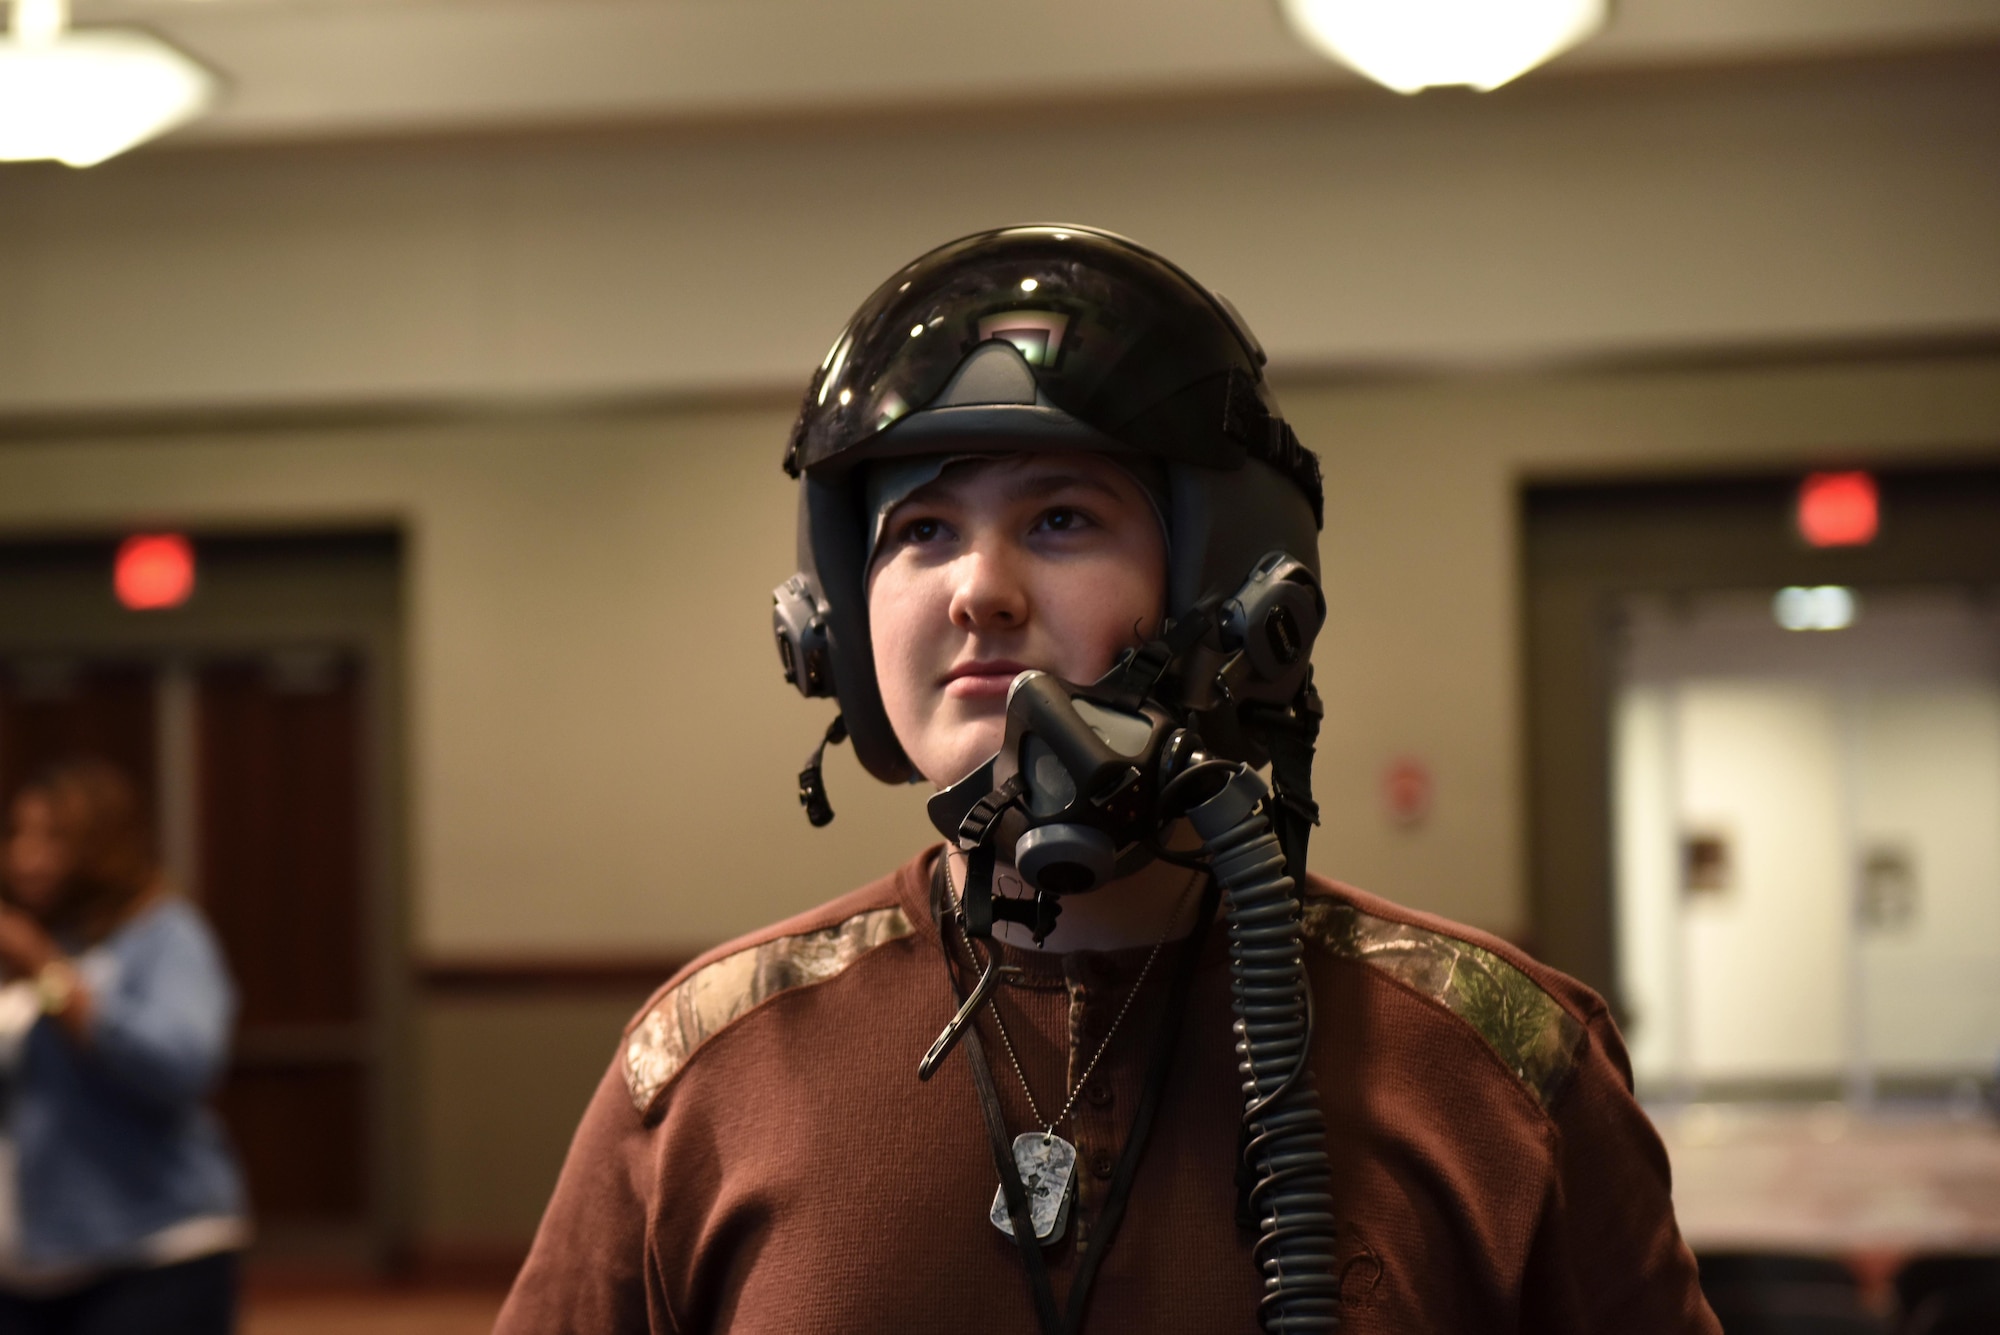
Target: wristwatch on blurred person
[{"x": 55, "y": 985}]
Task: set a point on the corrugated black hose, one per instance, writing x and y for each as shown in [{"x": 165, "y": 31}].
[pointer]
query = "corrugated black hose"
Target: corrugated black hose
[{"x": 1285, "y": 1127}]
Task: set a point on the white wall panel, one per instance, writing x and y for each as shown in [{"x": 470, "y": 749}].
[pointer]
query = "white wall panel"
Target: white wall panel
[
  {"x": 1761, "y": 763},
  {"x": 1930, "y": 789}
]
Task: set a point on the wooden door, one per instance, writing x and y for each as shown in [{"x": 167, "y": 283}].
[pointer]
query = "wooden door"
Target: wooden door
[
  {"x": 56, "y": 709},
  {"x": 281, "y": 844}
]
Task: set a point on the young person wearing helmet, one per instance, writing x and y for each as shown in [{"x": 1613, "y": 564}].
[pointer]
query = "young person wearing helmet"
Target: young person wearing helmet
[{"x": 1059, "y": 560}]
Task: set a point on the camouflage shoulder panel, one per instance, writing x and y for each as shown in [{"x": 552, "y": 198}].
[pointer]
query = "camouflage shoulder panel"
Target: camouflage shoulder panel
[
  {"x": 722, "y": 991},
  {"x": 1529, "y": 1031}
]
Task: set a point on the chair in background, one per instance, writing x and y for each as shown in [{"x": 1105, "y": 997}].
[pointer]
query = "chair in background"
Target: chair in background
[
  {"x": 1974, "y": 1311},
  {"x": 1775, "y": 1293},
  {"x": 1949, "y": 1294}
]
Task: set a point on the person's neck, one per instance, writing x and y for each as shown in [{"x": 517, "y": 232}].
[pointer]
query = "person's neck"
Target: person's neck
[
  {"x": 93, "y": 927},
  {"x": 1154, "y": 903}
]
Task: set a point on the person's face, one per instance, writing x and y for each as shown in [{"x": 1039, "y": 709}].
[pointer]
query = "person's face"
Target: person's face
[
  {"x": 38, "y": 859},
  {"x": 1044, "y": 561}
]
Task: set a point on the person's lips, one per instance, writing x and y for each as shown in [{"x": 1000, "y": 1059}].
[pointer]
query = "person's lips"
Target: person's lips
[{"x": 982, "y": 680}]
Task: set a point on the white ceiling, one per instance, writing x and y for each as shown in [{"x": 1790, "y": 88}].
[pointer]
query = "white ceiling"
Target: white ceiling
[{"x": 332, "y": 68}]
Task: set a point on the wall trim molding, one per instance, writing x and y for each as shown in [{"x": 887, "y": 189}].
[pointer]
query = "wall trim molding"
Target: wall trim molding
[
  {"x": 165, "y": 422},
  {"x": 446, "y": 1265}
]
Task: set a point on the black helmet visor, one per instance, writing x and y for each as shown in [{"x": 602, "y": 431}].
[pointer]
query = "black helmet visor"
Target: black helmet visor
[{"x": 1112, "y": 332}]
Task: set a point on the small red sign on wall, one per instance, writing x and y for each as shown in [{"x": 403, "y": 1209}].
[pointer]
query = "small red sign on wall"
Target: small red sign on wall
[
  {"x": 1407, "y": 790},
  {"x": 1839, "y": 509},
  {"x": 154, "y": 570}
]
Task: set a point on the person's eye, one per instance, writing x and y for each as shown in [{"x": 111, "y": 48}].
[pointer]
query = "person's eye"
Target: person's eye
[
  {"x": 1065, "y": 519},
  {"x": 920, "y": 530}
]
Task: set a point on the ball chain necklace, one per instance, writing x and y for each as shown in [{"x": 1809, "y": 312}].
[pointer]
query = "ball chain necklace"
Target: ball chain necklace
[{"x": 1047, "y": 1162}]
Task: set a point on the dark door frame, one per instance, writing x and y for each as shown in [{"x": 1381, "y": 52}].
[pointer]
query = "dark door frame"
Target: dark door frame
[{"x": 1586, "y": 544}]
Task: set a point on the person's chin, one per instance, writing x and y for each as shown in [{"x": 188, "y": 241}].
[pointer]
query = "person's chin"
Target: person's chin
[
  {"x": 973, "y": 743},
  {"x": 958, "y": 768}
]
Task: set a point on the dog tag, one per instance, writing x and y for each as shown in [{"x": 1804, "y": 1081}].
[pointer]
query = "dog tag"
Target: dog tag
[{"x": 1047, "y": 1165}]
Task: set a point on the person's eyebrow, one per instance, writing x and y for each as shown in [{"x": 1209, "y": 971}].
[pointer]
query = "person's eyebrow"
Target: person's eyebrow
[{"x": 1030, "y": 486}]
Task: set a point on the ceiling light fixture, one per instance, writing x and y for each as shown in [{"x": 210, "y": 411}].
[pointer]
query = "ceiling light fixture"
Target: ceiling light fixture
[
  {"x": 1827, "y": 607},
  {"x": 81, "y": 97},
  {"x": 1410, "y": 45}
]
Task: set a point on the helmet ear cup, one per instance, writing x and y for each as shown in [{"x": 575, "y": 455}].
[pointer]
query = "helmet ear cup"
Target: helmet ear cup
[
  {"x": 1228, "y": 524},
  {"x": 1272, "y": 621},
  {"x": 798, "y": 619}
]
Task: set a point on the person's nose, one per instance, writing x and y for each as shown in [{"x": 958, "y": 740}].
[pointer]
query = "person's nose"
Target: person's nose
[{"x": 989, "y": 594}]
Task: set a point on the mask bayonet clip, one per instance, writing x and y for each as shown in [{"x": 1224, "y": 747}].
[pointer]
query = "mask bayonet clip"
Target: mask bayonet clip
[
  {"x": 962, "y": 1021},
  {"x": 975, "y": 913}
]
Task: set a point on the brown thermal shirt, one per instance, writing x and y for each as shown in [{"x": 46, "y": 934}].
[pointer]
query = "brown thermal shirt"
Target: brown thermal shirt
[{"x": 761, "y": 1156}]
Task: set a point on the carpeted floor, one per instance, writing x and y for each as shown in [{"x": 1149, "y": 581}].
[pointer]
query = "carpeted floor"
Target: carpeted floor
[
  {"x": 1829, "y": 1179},
  {"x": 388, "y": 1311}
]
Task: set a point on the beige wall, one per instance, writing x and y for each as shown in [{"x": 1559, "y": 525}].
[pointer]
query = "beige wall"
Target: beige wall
[
  {"x": 1556, "y": 217},
  {"x": 502, "y": 1083}
]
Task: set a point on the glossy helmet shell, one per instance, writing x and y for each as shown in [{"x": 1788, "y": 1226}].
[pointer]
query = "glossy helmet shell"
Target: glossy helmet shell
[{"x": 1045, "y": 338}]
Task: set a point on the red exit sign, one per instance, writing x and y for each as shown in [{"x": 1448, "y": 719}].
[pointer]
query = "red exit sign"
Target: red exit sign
[
  {"x": 1839, "y": 509},
  {"x": 154, "y": 571}
]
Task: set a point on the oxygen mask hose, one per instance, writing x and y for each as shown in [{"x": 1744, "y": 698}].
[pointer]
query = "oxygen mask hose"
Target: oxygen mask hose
[{"x": 1284, "y": 1125}]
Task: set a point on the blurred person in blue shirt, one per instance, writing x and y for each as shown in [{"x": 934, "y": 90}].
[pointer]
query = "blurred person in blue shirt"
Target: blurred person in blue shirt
[{"x": 121, "y": 1206}]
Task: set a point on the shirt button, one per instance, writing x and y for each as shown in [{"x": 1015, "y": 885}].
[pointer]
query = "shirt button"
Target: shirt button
[
  {"x": 1098, "y": 1093},
  {"x": 1101, "y": 1163}
]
